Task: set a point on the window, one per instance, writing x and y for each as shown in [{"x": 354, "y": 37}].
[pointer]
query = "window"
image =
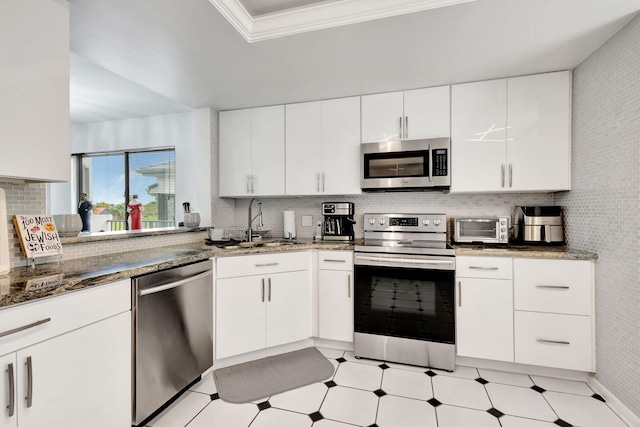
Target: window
[{"x": 112, "y": 180}]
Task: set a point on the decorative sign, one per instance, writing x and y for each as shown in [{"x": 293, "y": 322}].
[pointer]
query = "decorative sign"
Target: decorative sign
[
  {"x": 38, "y": 235},
  {"x": 44, "y": 282}
]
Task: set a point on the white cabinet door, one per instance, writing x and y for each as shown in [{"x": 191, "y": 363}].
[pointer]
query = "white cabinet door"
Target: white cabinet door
[
  {"x": 303, "y": 153},
  {"x": 484, "y": 313},
  {"x": 341, "y": 146},
  {"x": 240, "y": 315},
  {"x": 539, "y": 132},
  {"x": 426, "y": 113},
  {"x": 288, "y": 314},
  {"x": 9, "y": 375},
  {"x": 382, "y": 117},
  {"x": 80, "y": 378},
  {"x": 478, "y": 136},
  {"x": 335, "y": 305},
  {"x": 34, "y": 95},
  {"x": 235, "y": 153},
  {"x": 267, "y": 150}
]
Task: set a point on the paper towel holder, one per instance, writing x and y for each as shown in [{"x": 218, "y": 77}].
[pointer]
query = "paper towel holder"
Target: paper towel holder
[{"x": 289, "y": 218}]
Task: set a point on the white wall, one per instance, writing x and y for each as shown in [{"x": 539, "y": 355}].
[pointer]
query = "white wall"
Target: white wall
[
  {"x": 183, "y": 131},
  {"x": 602, "y": 208}
]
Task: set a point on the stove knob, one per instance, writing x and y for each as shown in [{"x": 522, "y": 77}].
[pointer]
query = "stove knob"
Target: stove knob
[
  {"x": 436, "y": 222},
  {"x": 382, "y": 221},
  {"x": 372, "y": 221},
  {"x": 426, "y": 222},
  {"x": 503, "y": 222},
  {"x": 503, "y": 229}
]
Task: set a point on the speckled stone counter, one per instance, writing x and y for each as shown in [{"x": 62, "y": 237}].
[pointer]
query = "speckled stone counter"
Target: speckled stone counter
[
  {"x": 524, "y": 251},
  {"x": 25, "y": 284}
]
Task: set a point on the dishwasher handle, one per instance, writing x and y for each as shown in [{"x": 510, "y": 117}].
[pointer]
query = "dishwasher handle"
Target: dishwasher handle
[{"x": 174, "y": 284}]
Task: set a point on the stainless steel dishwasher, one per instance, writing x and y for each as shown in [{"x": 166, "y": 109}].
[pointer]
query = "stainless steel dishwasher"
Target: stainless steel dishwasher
[{"x": 172, "y": 334}]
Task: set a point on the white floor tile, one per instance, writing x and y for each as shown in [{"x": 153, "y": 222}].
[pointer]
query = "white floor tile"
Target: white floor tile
[
  {"x": 335, "y": 364},
  {"x": 510, "y": 421},
  {"x": 221, "y": 413},
  {"x": 351, "y": 406},
  {"x": 358, "y": 375},
  {"x": 563, "y": 386},
  {"x": 305, "y": 400},
  {"x": 459, "y": 372},
  {"x": 330, "y": 423},
  {"x": 506, "y": 378},
  {"x": 396, "y": 411},
  {"x": 460, "y": 392},
  {"x": 398, "y": 382},
  {"x": 348, "y": 355},
  {"x": 182, "y": 410},
  {"x": 453, "y": 416},
  {"x": 331, "y": 353},
  {"x": 520, "y": 401},
  {"x": 206, "y": 385},
  {"x": 582, "y": 410},
  {"x": 273, "y": 417}
]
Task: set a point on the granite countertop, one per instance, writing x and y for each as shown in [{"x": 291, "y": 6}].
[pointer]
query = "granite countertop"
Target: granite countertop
[
  {"x": 524, "y": 251},
  {"x": 25, "y": 284}
]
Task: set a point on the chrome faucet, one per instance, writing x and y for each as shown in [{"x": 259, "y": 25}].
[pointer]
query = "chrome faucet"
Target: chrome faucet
[{"x": 251, "y": 218}]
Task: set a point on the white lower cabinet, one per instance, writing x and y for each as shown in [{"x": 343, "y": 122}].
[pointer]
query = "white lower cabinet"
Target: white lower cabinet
[
  {"x": 335, "y": 295},
  {"x": 484, "y": 308},
  {"x": 261, "y": 310},
  {"x": 76, "y": 378}
]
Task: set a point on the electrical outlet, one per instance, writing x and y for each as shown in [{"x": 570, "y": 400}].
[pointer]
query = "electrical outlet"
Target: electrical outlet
[{"x": 307, "y": 221}]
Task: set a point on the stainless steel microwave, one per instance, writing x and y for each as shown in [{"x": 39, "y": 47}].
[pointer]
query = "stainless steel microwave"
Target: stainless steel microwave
[
  {"x": 406, "y": 165},
  {"x": 481, "y": 230}
]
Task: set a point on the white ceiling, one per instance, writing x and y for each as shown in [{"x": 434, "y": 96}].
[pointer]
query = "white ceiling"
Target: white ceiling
[{"x": 186, "y": 50}]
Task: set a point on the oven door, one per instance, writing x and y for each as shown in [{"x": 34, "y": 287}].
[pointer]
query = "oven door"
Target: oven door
[{"x": 405, "y": 296}]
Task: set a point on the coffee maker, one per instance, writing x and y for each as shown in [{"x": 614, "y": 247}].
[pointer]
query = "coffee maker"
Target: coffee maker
[
  {"x": 338, "y": 221},
  {"x": 539, "y": 225}
]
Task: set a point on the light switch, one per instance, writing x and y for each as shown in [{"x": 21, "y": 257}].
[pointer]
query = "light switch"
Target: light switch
[{"x": 307, "y": 221}]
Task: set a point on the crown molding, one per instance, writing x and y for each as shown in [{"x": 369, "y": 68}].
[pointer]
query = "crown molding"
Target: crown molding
[{"x": 320, "y": 16}]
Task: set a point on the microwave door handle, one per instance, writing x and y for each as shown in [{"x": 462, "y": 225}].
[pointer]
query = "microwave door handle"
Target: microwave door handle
[{"x": 430, "y": 165}]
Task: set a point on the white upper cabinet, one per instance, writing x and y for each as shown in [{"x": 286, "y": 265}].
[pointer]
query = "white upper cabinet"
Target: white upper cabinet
[
  {"x": 512, "y": 135},
  {"x": 323, "y": 147},
  {"x": 252, "y": 152},
  {"x": 413, "y": 114},
  {"x": 34, "y": 95}
]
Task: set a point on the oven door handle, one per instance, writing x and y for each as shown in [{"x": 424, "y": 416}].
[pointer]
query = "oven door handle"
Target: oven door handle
[{"x": 405, "y": 260}]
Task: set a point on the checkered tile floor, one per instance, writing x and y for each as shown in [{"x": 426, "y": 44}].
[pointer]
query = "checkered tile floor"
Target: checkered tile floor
[{"x": 368, "y": 393}]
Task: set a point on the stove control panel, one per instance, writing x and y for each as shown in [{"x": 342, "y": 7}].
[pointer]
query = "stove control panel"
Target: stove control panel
[{"x": 433, "y": 223}]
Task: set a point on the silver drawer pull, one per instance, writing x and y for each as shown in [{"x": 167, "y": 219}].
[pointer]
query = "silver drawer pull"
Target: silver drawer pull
[
  {"x": 29, "y": 396},
  {"x": 334, "y": 260},
  {"x": 552, "y": 287},
  {"x": 553, "y": 341},
  {"x": 483, "y": 268},
  {"x": 25, "y": 327},
  {"x": 12, "y": 394},
  {"x": 269, "y": 264}
]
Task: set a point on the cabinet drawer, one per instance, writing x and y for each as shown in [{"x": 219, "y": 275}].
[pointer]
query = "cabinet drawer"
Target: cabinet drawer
[
  {"x": 66, "y": 313},
  {"x": 554, "y": 340},
  {"x": 484, "y": 267},
  {"x": 553, "y": 286},
  {"x": 251, "y": 265},
  {"x": 335, "y": 260}
]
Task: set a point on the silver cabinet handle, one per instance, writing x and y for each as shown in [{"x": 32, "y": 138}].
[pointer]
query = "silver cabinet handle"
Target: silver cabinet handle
[
  {"x": 502, "y": 174},
  {"x": 263, "y": 289},
  {"x": 334, "y": 260},
  {"x": 25, "y": 327},
  {"x": 318, "y": 182},
  {"x": 430, "y": 164},
  {"x": 12, "y": 392},
  {"x": 473, "y": 267},
  {"x": 253, "y": 181},
  {"x": 269, "y": 288},
  {"x": 172, "y": 285},
  {"x": 459, "y": 293},
  {"x": 553, "y": 341},
  {"x": 552, "y": 287},
  {"x": 248, "y": 184},
  {"x": 349, "y": 285},
  {"x": 406, "y": 127},
  {"x": 269, "y": 264},
  {"x": 323, "y": 182},
  {"x": 29, "y": 396},
  {"x": 510, "y": 175},
  {"x": 400, "y": 127}
]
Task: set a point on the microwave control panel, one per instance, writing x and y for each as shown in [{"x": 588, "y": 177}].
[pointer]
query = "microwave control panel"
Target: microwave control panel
[{"x": 440, "y": 162}]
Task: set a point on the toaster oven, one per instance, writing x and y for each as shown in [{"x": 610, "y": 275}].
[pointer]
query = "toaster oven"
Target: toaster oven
[{"x": 482, "y": 230}]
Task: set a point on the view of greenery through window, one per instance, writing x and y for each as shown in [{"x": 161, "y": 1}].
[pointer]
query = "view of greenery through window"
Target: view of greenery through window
[{"x": 111, "y": 186}]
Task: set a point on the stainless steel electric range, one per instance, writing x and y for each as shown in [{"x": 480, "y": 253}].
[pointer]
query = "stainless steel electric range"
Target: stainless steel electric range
[{"x": 404, "y": 291}]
